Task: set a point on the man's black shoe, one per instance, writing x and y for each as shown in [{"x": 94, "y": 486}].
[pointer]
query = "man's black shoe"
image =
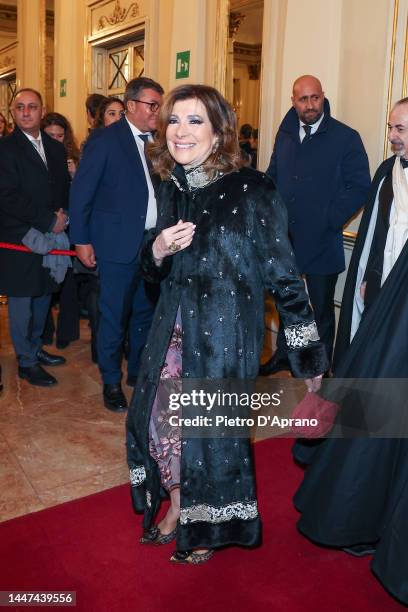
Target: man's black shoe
[
  {"x": 36, "y": 375},
  {"x": 360, "y": 550},
  {"x": 49, "y": 360},
  {"x": 114, "y": 398},
  {"x": 277, "y": 363}
]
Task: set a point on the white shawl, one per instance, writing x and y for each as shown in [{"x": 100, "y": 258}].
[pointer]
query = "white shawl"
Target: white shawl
[{"x": 398, "y": 229}]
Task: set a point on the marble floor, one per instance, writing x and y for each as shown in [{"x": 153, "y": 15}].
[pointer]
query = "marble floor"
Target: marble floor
[{"x": 60, "y": 443}]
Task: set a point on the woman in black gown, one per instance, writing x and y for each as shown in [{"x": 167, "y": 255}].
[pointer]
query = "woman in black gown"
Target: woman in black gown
[{"x": 221, "y": 240}]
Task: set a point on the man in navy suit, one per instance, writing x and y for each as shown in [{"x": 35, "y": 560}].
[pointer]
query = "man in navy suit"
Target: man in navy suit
[{"x": 112, "y": 203}]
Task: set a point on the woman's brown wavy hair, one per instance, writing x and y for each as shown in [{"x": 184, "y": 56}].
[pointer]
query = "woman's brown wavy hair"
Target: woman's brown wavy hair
[
  {"x": 69, "y": 141},
  {"x": 227, "y": 154}
]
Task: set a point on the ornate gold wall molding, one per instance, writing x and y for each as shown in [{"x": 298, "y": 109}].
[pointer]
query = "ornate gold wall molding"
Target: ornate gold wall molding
[
  {"x": 8, "y": 59},
  {"x": 118, "y": 15},
  {"x": 8, "y": 19},
  {"x": 235, "y": 20},
  {"x": 114, "y": 16},
  {"x": 6, "y": 62}
]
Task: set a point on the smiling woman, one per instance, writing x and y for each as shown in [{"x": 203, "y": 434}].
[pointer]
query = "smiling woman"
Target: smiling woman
[
  {"x": 220, "y": 241},
  {"x": 200, "y": 125},
  {"x": 190, "y": 137},
  {"x": 109, "y": 111}
]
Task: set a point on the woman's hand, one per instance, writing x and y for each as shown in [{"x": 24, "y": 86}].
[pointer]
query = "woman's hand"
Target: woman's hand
[
  {"x": 173, "y": 239},
  {"x": 314, "y": 384}
]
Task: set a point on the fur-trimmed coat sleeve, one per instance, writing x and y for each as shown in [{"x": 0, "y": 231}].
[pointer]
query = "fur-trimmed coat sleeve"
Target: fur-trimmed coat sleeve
[{"x": 240, "y": 248}]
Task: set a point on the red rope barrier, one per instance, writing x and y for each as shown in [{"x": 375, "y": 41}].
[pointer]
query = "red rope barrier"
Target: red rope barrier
[{"x": 24, "y": 249}]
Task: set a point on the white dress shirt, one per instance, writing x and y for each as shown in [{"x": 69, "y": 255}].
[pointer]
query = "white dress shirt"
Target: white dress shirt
[
  {"x": 314, "y": 127},
  {"x": 151, "y": 215},
  {"x": 38, "y": 145}
]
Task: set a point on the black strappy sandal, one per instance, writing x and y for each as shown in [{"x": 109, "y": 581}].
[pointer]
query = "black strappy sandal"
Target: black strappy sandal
[
  {"x": 155, "y": 536},
  {"x": 191, "y": 557}
]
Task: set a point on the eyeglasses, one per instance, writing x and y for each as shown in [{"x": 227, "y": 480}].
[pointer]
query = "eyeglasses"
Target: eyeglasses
[{"x": 154, "y": 106}]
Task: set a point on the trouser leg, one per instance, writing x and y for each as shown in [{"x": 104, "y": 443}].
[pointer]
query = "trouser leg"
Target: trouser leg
[
  {"x": 118, "y": 282},
  {"x": 139, "y": 326},
  {"x": 68, "y": 317},
  {"x": 321, "y": 290},
  {"x": 39, "y": 310},
  {"x": 27, "y": 316},
  {"x": 49, "y": 328}
]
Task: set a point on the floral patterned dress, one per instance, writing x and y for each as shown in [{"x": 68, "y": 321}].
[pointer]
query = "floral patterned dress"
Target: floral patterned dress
[{"x": 164, "y": 439}]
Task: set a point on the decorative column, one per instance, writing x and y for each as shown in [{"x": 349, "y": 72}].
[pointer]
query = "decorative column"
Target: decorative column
[
  {"x": 71, "y": 62},
  {"x": 31, "y": 38}
]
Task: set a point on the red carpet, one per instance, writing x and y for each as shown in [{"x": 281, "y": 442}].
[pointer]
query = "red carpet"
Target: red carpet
[{"x": 91, "y": 546}]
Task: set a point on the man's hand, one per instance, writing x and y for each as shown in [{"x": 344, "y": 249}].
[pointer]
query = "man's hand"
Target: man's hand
[
  {"x": 363, "y": 290},
  {"x": 61, "y": 222},
  {"x": 86, "y": 254}
]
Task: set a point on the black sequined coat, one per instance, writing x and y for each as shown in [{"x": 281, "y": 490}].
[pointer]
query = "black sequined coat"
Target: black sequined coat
[{"x": 240, "y": 248}]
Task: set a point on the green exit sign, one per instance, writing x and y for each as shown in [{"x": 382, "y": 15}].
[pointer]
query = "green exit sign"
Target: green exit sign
[
  {"x": 183, "y": 64},
  {"x": 63, "y": 88}
]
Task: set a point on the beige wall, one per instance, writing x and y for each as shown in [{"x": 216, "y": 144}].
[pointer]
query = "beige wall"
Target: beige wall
[
  {"x": 311, "y": 45},
  {"x": 188, "y": 33},
  {"x": 363, "y": 73},
  {"x": 346, "y": 43}
]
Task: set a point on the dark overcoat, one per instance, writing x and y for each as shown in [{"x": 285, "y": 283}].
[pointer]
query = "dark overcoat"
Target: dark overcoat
[
  {"x": 323, "y": 183},
  {"x": 240, "y": 248},
  {"x": 30, "y": 193}
]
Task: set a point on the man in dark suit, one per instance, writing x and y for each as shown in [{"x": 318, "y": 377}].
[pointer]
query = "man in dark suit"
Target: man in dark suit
[
  {"x": 321, "y": 170},
  {"x": 34, "y": 184},
  {"x": 112, "y": 204}
]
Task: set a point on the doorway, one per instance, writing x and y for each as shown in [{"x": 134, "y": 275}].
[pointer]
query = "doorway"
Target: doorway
[
  {"x": 8, "y": 88},
  {"x": 244, "y": 69}
]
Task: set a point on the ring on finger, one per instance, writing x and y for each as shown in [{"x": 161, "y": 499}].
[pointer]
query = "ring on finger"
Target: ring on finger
[{"x": 173, "y": 247}]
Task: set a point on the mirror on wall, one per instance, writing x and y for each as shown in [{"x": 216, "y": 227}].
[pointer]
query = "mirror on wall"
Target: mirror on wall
[
  {"x": 244, "y": 70},
  {"x": 8, "y": 42}
]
